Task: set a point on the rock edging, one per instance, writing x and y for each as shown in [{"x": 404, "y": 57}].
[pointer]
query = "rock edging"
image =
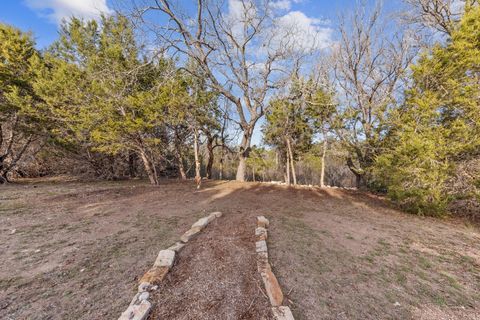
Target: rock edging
[
  {"x": 140, "y": 306},
  {"x": 272, "y": 287}
]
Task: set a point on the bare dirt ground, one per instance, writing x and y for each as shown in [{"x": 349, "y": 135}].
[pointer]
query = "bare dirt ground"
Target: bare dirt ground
[{"x": 73, "y": 250}]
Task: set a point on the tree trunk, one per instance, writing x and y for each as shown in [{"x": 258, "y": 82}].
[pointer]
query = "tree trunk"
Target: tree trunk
[
  {"x": 111, "y": 167},
  {"x": 198, "y": 177},
  {"x": 181, "y": 169},
  {"x": 181, "y": 166},
  {"x": 222, "y": 139},
  {"x": 242, "y": 167},
  {"x": 292, "y": 163},
  {"x": 288, "y": 169},
  {"x": 360, "y": 178},
  {"x": 2, "y": 173},
  {"x": 211, "y": 156},
  {"x": 220, "y": 174},
  {"x": 361, "y": 181},
  {"x": 131, "y": 164},
  {"x": 243, "y": 154},
  {"x": 149, "y": 168},
  {"x": 322, "y": 170},
  {"x": 253, "y": 173},
  {"x": 179, "y": 157}
]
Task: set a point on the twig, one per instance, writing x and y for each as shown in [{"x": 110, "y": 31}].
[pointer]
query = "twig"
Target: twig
[
  {"x": 261, "y": 290},
  {"x": 251, "y": 304},
  {"x": 289, "y": 291}
]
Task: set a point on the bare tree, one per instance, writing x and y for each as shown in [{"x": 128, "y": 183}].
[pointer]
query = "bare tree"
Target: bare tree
[
  {"x": 437, "y": 15},
  {"x": 370, "y": 63},
  {"x": 244, "y": 52}
]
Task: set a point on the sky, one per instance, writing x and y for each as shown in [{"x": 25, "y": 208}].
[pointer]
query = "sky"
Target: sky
[{"x": 43, "y": 17}]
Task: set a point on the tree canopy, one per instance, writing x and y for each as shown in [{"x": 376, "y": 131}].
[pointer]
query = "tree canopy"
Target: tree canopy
[
  {"x": 439, "y": 124},
  {"x": 390, "y": 107}
]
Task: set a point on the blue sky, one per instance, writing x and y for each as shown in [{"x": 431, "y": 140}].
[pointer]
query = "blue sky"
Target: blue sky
[{"x": 42, "y": 16}]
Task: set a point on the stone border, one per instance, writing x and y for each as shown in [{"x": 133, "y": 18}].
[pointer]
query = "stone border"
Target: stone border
[
  {"x": 140, "y": 306},
  {"x": 272, "y": 287}
]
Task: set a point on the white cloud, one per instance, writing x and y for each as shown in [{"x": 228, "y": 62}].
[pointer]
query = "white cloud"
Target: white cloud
[
  {"x": 304, "y": 32},
  {"x": 56, "y": 10},
  {"x": 241, "y": 10},
  {"x": 240, "y": 13},
  {"x": 291, "y": 28},
  {"x": 281, "y": 4},
  {"x": 235, "y": 9}
]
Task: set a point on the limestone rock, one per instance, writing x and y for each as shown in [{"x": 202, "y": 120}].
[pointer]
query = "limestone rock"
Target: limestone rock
[
  {"x": 135, "y": 299},
  {"x": 144, "y": 286},
  {"x": 165, "y": 258},
  {"x": 274, "y": 292},
  {"x": 154, "y": 276},
  {"x": 262, "y": 262},
  {"x": 190, "y": 234},
  {"x": 137, "y": 311},
  {"x": 261, "y": 246},
  {"x": 282, "y": 313},
  {"x": 143, "y": 296},
  {"x": 262, "y": 222},
  {"x": 261, "y": 233},
  {"x": 177, "y": 246},
  {"x": 216, "y": 214},
  {"x": 139, "y": 297},
  {"x": 203, "y": 222}
]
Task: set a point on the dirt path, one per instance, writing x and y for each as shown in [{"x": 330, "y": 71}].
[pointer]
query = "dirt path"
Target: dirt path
[{"x": 215, "y": 276}]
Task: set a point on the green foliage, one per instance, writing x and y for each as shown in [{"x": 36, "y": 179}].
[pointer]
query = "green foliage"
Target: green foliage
[
  {"x": 18, "y": 58},
  {"x": 415, "y": 172},
  {"x": 100, "y": 92},
  {"x": 260, "y": 160},
  {"x": 287, "y": 118},
  {"x": 197, "y": 106},
  {"x": 105, "y": 97},
  {"x": 320, "y": 107},
  {"x": 22, "y": 120},
  {"x": 438, "y": 125},
  {"x": 313, "y": 158}
]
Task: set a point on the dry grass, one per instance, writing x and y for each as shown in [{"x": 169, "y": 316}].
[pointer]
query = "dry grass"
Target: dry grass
[{"x": 78, "y": 249}]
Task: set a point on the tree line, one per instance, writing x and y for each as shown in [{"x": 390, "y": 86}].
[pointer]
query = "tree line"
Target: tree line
[{"x": 392, "y": 105}]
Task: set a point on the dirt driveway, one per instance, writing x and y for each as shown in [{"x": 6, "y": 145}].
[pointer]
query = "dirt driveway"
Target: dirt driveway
[{"x": 74, "y": 250}]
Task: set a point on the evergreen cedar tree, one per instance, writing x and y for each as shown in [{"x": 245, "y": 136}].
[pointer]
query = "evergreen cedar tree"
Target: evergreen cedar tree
[
  {"x": 93, "y": 90},
  {"x": 438, "y": 126}
]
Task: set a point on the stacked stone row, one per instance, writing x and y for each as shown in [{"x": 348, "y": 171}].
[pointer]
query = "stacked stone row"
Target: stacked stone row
[
  {"x": 272, "y": 287},
  {"x": 140, "y": 306}
]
